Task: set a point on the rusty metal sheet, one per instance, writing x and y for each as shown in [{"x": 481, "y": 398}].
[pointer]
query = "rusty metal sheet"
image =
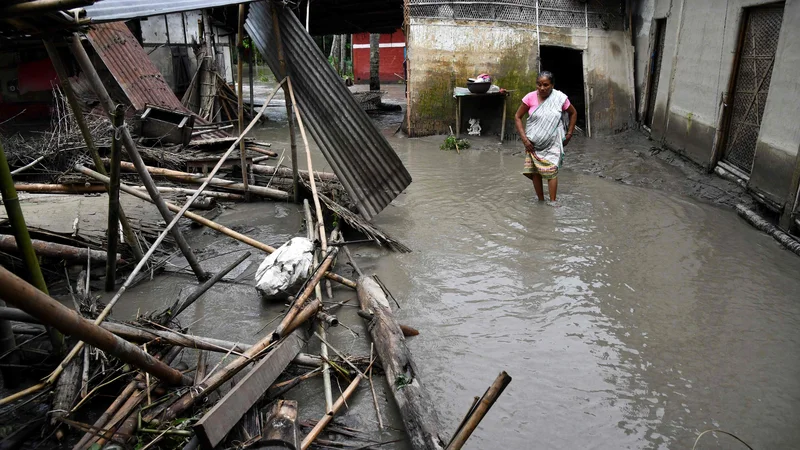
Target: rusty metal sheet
[
  {"x": 359, "y": 154},
  {"x": 127, "y": 61}
]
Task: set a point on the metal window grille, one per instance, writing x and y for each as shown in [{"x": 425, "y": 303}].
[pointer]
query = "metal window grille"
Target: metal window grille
[{"x": 604, "y": 14}]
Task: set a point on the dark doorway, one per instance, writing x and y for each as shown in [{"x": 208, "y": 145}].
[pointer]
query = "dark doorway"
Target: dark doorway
[
  {"x": 656, "y": 56},
  {"x": 567, "y": 67}
]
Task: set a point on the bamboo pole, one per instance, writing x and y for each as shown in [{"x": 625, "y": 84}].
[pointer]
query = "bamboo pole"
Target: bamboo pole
[
  {"x": 200, "y": 290},
  {"x": 108, "y": 106},
  {"x": 327, "y": 418},
  {"x": 38, "y": 304},
  {"x": 287, "y": 173},
  {"x": 322, "y": 237},
  {"x": 281, "y": 330},
  {"x": 289, "y": 102},
  {"x": 240, "y": 102},
  {"x": 138, "y": 334},
  {"x": 209, "y": 180},
  {"x": 113, "y": 203},
  {"x": 323, "y": 350},
  {"x": 208, "y": 223},
  {"x": 8, "y": 243},
  {"x": 77, "y": 112},
  {"x": 479, "y": 412},
  {"x": 23, "y": 242}
]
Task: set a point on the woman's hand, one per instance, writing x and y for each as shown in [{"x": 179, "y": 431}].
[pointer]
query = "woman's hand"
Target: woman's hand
[
  {"x": 529, "y": 147},
  {"x": 567, "y": 139}
]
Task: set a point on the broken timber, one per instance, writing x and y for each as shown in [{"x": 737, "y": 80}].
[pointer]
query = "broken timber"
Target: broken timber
[
  {"x": 217, "y": 422},
  {"x": 413, "y": 401}
]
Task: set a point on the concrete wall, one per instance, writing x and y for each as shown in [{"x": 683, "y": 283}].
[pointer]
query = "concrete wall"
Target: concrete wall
[
  {"x": 699, "y": 54},
  {"x": 159, "y": 33},
  {"x": 444, "y": 53}
]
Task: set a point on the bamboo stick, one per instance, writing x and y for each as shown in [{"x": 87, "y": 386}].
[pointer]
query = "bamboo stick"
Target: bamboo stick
[
  {"x": 199, "y": 291},
  {"x": 209, "y": 180},
  {"x": 138, "y": 334},
  {"x": 372, "y": 389},
  {"x": 240, "y": 100},
  {"x": 38, "y": 304},
  {"x": 59, "y": 188},
  {"x": 23, "y": 242},
  {"x": 52, "y": 250},
  {"x": 326, "y": 368},
  {"x": 77, "y": 112},
  {"x": 327, "y": 418},
  {"x": 480, "y": 410},
  {"x": 321, "y": 222},
  {"x": 287, "y": 172},
  {"x": 280, "y": 331},
  {"x": 108, "y": 106},
  {"x": 113, "y": 204},
  {"x": 29, "y": 165},
  {"x": 208, "y": 223},
  {"x": 214, "y": 381}
]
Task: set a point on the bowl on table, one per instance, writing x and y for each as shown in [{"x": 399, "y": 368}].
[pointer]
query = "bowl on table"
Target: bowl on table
[{"x": 479, "y": 87}]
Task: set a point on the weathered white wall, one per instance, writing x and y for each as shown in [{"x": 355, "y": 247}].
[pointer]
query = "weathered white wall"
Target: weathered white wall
[
  {"x": 699, "y": 53},
  {"x": 444, "y": 53}
]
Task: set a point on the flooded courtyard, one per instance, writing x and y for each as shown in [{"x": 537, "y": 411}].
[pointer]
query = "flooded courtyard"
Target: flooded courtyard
[{"x": 637, "y": 314}]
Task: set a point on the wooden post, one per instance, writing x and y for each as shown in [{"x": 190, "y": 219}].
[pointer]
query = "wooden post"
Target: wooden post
[
  {"x": 250, "y": 71},
  {"x": 74, "y": 104},
  {"x": 503, "y": 124},
  {"x": 38, "y": 304},
  {"x": 239, "y": 68},
  {"x": 289, "y": 109},
  {"x": 280, "y": 430},
  {"x": 374, "y": 62},
  {"x": 113, "y": 203},
  {"x": 23, "y": 238},
  {"x": 108, "y": 105},
  {"x": 413, "y": 401}
]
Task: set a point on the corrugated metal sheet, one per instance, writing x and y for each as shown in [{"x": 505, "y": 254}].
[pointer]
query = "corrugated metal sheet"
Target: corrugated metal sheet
[
  {"x": 128, "y": 63},
  {"x": 114, "y": 10},
  {"x": 366, "y": 164}
]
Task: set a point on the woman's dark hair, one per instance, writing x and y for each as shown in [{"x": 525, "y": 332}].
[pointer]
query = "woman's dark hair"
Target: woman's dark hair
[{"x": 547, "y": 74}]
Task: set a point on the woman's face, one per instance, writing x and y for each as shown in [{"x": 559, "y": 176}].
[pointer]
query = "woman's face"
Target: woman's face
[{"x": 544, "y": 86}]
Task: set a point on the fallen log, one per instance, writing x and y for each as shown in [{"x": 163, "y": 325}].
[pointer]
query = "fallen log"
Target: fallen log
[
  {"x": 19, "y": 293},
  {"x": 217, "y": 422},
  {"x": 52, "y": 250},
  {"x": 285, "y": 172},
  {"x": 413, "y": 401},
  {"x": 210, "y": 224},
  {"x": 219, "y": 182},
  {"x": 66, "y": 391}
]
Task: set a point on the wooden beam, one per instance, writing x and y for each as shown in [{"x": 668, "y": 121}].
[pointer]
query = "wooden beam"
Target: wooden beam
[{"x": 217, "y": 422}]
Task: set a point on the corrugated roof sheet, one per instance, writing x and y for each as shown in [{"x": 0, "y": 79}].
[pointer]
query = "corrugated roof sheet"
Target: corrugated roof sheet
[
  {"x": 366, "y": 164},
  {"x": 128, "y": 63},
  {"x": 114, "y": 10}
]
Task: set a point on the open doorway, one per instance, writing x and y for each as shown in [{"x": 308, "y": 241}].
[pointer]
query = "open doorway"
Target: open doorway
[{"x": 567, "y": 67}]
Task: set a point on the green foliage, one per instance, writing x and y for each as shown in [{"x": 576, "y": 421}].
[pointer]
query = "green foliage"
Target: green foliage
[
  {"x": 451, "y": 141},
  {"x": 402, "y": 381}
]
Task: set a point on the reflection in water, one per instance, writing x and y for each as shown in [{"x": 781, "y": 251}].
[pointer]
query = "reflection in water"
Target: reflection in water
[{"x": 613, "y": 313}]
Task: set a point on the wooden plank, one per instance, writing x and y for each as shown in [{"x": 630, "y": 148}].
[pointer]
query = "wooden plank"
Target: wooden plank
[{"x": 217, "y": 422}]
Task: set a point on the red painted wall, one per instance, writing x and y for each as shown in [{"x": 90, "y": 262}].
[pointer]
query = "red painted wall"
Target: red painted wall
[{"x": 392, "y": 55}]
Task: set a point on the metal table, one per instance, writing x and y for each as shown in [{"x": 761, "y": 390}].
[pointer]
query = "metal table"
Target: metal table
[{"x": 460, "y": 95}]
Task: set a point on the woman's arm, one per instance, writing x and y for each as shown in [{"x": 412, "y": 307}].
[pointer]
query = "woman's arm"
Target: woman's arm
[
  {"x": 573, "y": 117},
  {"x": 523, "y": 109}
]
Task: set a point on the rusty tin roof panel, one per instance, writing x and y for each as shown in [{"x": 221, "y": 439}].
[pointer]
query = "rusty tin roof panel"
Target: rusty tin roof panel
[
  {"x": 114, "y": 10},
  {"x": 128, "y": 63},
  {"x": 366, "y": 164}
]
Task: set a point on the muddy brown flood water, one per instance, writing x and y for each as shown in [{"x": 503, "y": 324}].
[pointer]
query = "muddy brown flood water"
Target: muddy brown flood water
[{"x": 632, "y": 316}]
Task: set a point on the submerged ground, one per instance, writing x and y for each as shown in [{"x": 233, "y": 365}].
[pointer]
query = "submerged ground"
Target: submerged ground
[{"x": 639, "y": 313}]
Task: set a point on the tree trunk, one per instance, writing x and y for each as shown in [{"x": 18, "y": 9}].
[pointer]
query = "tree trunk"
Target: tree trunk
[
  {"x": 413, "y": 401},
  {"x": 374, "y": 62},
  {"x": 342, "y": 54}
]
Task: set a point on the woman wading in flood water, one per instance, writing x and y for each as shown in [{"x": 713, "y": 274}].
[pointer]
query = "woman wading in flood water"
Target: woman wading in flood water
[{"x": 543, "y": 134}]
